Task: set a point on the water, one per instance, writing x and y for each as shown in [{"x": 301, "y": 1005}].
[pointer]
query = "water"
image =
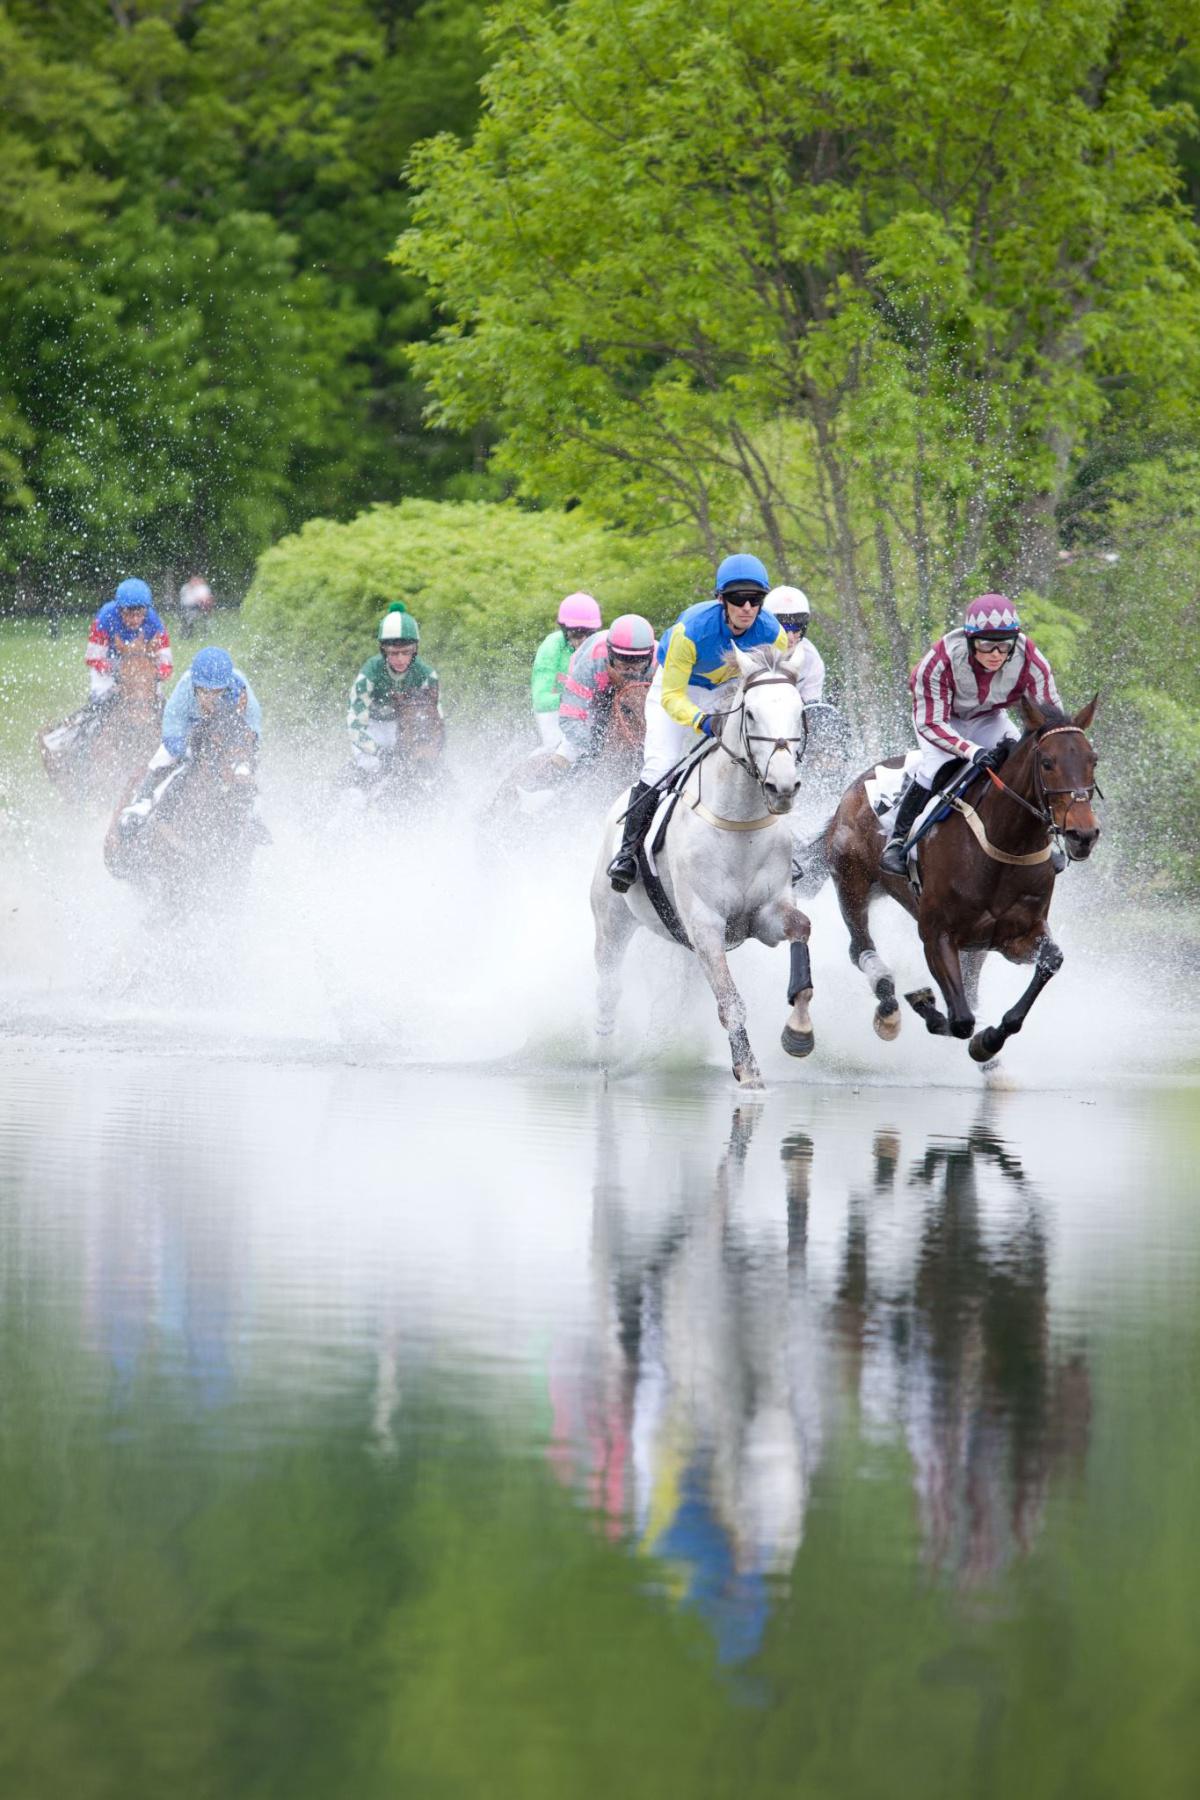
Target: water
[{"x": 374, "y": 1430}]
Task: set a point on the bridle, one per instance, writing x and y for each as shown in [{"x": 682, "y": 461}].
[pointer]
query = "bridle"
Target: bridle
[
  {"x": 1043, "y": 811},
  {"x": 745, "y": 737}
]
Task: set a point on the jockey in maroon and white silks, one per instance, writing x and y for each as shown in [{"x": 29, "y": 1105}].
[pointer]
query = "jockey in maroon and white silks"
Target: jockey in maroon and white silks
[
  {"x": 959, "y": 701},
  {"x": 962, "y": 690}
]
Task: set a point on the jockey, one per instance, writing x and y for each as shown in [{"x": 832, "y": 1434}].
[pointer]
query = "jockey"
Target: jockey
[
  {"x": 578, "y": 617},
  {"x": 196, "y": 601},
  {"x": 382, "y": 686},
  {"x": 790, "y": 606},
  {"x": 683, "y": 694},
  {"x": 962, "y": 690},
  {"x": 599, "y": 668},
  {"x": 211, "y": 685},
  {"x": 127, "y": 619}
]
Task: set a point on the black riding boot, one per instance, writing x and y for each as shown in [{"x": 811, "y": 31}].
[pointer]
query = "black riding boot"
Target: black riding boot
[
  {"x": 622, "y": 870},
  {"x": 894, "y": 861}
]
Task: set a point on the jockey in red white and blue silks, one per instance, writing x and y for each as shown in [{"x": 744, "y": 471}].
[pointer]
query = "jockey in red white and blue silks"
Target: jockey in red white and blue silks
[
  {"x": 962, "y": 690},
  {"x": 602, "y": 663},
  {"x": 125, "y": 621}
]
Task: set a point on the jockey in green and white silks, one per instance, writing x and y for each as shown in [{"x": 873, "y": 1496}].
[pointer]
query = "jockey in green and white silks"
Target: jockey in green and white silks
[
  {"x": 381, "y": 687},
  {"x": 578, "y": 617},
  {"x": 684, "y": 692}
]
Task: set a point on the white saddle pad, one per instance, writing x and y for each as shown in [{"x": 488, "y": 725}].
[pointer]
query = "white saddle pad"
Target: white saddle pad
[{"x": 883, "y": 785}]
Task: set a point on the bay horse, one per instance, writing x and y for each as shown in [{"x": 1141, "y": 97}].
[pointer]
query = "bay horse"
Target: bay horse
[
  {"x": 200, "y": 833},
  {"x": 92, "y": 752},
  {"x": 725, "y": 858},
  {"x": 612, "y": 760},
  {"x": 986, "y": 876}
]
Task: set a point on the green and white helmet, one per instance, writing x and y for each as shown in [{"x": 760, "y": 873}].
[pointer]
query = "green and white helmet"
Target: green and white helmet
[{"x": 399, "y": 627}]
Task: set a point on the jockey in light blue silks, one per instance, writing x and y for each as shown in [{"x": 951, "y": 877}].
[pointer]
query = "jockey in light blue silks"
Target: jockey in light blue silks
[
  {"x": 684, "y": 692},
  {"x": 211, "y": 684}
]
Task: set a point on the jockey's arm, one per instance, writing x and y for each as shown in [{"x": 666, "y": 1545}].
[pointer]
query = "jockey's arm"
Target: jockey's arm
[
  {"x": 102, "y": 678},
  {"x": 164, "y": 663},
  {"x": 678, "y": 665},
  {"x": 358, "y": 716},
  {"x": 933, "y": 693},
  {"x": 250, "y": 709},
  {"x": 545, "y": 683},
  {"x": 811, "y": 685}
]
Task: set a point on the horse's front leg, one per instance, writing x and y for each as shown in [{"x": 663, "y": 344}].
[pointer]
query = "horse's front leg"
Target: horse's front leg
[
  {"x": 708, "y": 939},
  {"x": 944, "y": 966},
  {"x": 1040, "y": 949},
  {"x": 781, "y": 922},
  {"x": 615, "y": 925}
]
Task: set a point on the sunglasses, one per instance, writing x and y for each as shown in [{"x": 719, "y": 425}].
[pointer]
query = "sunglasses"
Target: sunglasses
[
  {"x": 984, "y": 646},
  {"x": 732, "y": 598},
  {"x": 403, "y": 649}
]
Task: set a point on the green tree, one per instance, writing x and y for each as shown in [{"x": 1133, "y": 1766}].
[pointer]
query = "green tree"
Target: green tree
[{"x": 856, "y": 283}]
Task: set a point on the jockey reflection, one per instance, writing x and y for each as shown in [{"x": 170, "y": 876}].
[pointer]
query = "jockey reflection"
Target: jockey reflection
[{"x": 691, "y": 1419}]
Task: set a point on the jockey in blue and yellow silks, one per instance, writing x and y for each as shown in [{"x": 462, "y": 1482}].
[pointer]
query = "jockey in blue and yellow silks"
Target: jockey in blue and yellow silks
[{"x": 683, "y": 694}]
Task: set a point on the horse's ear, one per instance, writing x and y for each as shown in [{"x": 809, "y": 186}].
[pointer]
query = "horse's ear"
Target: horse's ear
[
  {"x": 1083, "y": 718},
  {"x": 793, "y": 662},
  {"x": 746, "y": 665},
  {"x": 1032, "y": 713}
]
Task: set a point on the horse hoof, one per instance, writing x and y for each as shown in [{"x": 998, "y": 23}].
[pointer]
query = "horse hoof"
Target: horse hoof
[
  {"x": 920, "y": 997},
  {"x": 887, "y": 1024},
  {"x": 750, "y": 1080},
  {"x": 961, "y": 1028},
  {"x": 985, "y": 1045},
  {"x": 797, "y": 1043}
]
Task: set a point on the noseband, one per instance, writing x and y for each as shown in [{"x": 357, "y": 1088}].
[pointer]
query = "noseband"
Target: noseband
[
  {"x": 1043, "y": 811},
  {"x": 746, "y": 760}
]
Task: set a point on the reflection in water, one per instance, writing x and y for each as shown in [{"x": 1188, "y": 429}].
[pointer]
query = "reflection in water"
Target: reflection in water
[{"x": 717, "y": 1368}]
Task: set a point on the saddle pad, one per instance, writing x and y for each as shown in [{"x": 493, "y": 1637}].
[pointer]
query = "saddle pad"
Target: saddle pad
[{"x": 884, "y": 786}]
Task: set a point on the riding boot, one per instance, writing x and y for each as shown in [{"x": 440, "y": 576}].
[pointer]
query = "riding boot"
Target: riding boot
[
  {"x": 894, "y": 861},
  {"x": 622, "y": 870}
]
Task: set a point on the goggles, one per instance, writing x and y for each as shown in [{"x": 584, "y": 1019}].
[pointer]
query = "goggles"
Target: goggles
[{"x": 985, "y": 645}]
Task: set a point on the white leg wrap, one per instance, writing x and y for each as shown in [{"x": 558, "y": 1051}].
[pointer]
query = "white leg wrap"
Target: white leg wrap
[{"x": 874, "y": 967}]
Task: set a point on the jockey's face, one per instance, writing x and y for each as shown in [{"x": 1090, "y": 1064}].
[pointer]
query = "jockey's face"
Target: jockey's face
[
  {"x": 742, "y": 607},
  {"x": 795, "y": 633},
  {"x": 628, "y": 668},
  {"x": 207, "y": 700},
  {"x": 132, "y": 617},
  {"x": 575, "y": 635},
  {"x": 399, "y": 656},
  {"x": 992, "y": 653}
]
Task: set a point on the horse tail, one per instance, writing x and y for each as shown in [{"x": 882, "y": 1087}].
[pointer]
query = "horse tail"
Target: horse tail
[{"x": 810, "y": 864}]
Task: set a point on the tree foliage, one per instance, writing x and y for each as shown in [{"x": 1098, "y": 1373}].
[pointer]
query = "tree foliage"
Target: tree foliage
[
  {"x": 859, "y": 282},
  {"x": 203, "y": 335}
]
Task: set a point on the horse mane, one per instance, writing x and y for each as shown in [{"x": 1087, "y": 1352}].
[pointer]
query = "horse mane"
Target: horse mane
[{"x": 768, "y": 659}]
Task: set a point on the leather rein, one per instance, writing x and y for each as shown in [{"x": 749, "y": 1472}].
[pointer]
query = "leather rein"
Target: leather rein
[
  {"x": 746, "y": 760},
  {"x": 1043, "y": 813}
]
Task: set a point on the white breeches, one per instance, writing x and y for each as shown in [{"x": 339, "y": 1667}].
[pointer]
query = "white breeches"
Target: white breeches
[
  {"x": 381, "y": 732},
  {"x": 988, "y": 730},
  {"x": 666, "y": 739},
  {"x": 547, "y": 729}
]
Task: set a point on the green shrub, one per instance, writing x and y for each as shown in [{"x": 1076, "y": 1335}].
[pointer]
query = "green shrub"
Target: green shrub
[{"x": 483, "y": 580}]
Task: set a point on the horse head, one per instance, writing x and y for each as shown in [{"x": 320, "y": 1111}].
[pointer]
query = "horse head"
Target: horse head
[
  {"x": 764, "y": 729},
  {"x": 1062, "y": 765}
]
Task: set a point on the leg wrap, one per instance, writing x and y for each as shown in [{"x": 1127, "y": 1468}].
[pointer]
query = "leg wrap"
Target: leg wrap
[
  {"x": 874, "y": 967},
  {"x": 800, "y": 977}
]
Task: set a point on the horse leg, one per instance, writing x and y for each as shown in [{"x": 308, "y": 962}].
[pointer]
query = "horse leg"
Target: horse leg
[
  {"x": 708, "y": 938},
  {"x": 946, "y": 969},
  {"x": 1048, "y": 960},
  {"x": 972, "y": 968},
  {"x": 853, "y": 899},
  {"x": 615, "y": 925},
  {"x": 778, "y": 923}
]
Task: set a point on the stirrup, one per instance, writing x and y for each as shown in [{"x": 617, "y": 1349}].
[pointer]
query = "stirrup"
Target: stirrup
[
  {"x": 622, "y": 871},
  {"x": 894, "y": 857}
]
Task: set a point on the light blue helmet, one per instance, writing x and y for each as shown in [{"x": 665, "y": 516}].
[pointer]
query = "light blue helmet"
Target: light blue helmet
[
  {"x": 741, "y": 571},
  {"x": 212, "y": 668},
  {"x": 134, "y": 593}
]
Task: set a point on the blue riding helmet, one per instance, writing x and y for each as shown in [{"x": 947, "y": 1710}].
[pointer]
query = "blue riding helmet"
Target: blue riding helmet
[
  {"x": 212, "y": 668},
  {"x": 741, "y": 571},
  {"x": 133, "y": 593}
]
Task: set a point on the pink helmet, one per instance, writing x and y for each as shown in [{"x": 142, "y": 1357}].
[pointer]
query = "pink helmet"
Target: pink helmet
[
  {"x": 632, "y": 636},
  {"x": 579, "y": 612},
  {"x": 991, "y": 615}
]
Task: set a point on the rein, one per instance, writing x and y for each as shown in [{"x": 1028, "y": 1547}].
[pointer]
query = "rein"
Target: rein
[
  {"x": 1043, "y": 813},
  {"x": 746, "y": 761}
]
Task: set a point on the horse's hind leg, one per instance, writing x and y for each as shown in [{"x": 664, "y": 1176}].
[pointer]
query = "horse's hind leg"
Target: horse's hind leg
[
  {"x": 1048, "y": 959},
  {"x": 853, "y": 892}
]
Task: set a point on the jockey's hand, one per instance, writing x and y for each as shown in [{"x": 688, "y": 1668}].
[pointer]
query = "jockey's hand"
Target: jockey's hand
[
  {"x": 560, "y": 763},
  {"x": 704, "y": 725},
  {"x": 989, "y": 759},
  {"x": 135, "y": 815}
]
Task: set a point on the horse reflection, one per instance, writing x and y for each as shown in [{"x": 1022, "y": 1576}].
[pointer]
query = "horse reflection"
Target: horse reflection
[
  {"x": 691, "y": 1422},
  {"x": 959, "y": 1355}
]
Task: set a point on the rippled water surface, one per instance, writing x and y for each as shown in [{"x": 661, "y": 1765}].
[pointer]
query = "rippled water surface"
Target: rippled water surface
[{"x": 371, "y": 1432}]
